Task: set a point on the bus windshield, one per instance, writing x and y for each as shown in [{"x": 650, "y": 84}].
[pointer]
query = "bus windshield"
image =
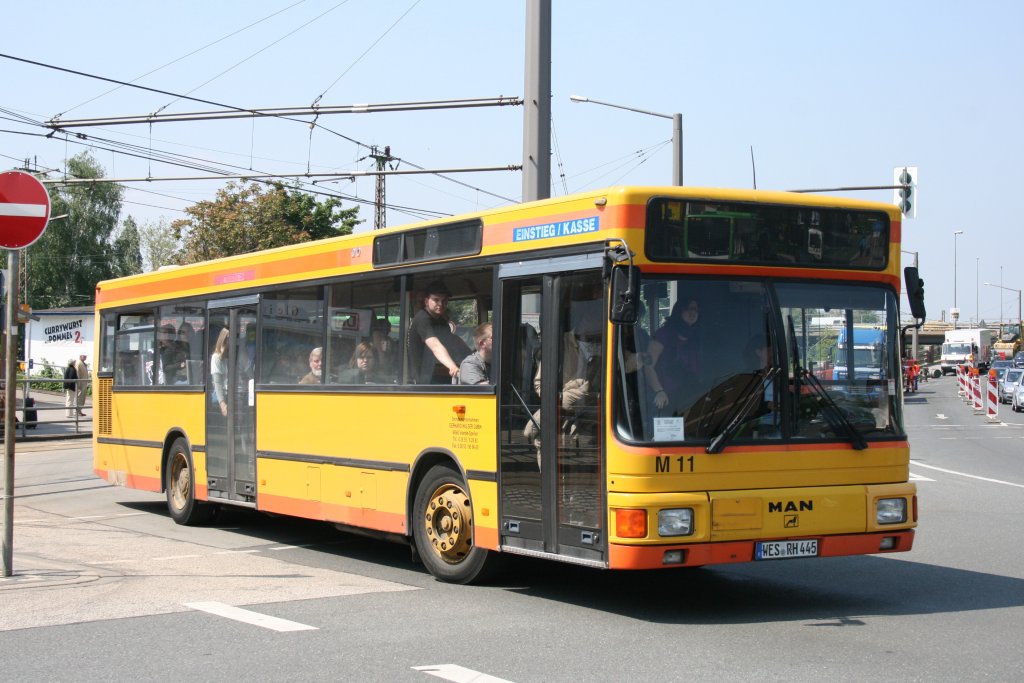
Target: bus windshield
[{"x": 757, "y": 360}]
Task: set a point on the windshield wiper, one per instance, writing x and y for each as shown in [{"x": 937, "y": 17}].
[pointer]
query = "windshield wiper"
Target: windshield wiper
[
  {"x": 751, "y": 396},
  {"x": 834, "y": 415}
]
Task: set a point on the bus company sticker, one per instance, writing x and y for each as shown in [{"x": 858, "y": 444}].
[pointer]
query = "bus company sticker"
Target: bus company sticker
[
  {"x": 668, "y": 429},
  {"x": 545, "y": 231},
  {"x": 465, "y": 433}
]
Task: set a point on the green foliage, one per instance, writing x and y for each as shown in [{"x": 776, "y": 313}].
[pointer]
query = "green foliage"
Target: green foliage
[
  {"x": 253, "y": 216},
  {"x": 127, "y": 258},
  {"x": 158, "y": 244},
  {"x": 74, "y": 253},
  {"x": 49, "y": 378}
]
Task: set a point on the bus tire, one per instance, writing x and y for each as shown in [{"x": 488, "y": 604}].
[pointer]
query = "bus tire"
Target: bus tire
[
  {"x": 181, "y": 488},
  {"x": 442, "y": 527}
]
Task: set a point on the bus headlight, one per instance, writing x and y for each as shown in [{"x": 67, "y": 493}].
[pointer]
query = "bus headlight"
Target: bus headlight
[
  {"x": 891, "y": 510},
  {"x": 675, "y": 522}
]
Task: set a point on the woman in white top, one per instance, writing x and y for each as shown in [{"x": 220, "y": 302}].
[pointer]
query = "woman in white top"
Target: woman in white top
[{"x": 219, "y": 370}]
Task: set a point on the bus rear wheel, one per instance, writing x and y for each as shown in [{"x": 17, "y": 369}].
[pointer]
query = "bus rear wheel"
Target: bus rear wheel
[
  {"x": 181, "y": 488},
  {"x": 443, "y": 527}
]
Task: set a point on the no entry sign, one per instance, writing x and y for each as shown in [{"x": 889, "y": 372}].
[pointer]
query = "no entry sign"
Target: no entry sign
[{"x": 24, "y": 209}]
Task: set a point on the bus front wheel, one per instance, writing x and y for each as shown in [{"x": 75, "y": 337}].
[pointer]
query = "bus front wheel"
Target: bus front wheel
[
  {"x": 443, "y": 527},
  {"x": 181, "y": 488}
]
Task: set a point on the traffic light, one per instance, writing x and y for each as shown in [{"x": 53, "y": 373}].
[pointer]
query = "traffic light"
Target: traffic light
[{"x": 905, "y": 180}]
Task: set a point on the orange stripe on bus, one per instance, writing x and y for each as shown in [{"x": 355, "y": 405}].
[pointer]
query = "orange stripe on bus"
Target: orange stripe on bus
[
  {"x": 240, "y": 274},
  {"x": 652, "y": 557},
  {"x": 331, "y": 512},
  {"x": 485, "y": 537}
]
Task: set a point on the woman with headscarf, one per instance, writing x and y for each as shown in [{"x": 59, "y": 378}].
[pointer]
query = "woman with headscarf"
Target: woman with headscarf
[{"x": 675, "y": 358}]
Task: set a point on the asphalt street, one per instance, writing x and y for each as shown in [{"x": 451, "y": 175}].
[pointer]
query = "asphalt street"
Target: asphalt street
[{"x": 107, "y": 587}]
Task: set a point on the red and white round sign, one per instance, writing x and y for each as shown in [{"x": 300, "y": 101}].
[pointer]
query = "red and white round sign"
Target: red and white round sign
[{"x": 24, "y": 209}]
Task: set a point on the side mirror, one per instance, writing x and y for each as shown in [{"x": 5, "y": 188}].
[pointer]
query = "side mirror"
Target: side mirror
[
  {"x": 915, "y": 292},
  {"x": 625, "y": 295}
]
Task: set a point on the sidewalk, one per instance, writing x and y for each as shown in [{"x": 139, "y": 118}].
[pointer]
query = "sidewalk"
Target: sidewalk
[{"x": 52, "y": 422}]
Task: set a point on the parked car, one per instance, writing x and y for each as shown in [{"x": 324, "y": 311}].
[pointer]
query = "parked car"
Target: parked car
[
  {"x": 1017, "y": 402},
  {"x": 1001, "y": 364},
  {"x": 1008, "y": 387}
]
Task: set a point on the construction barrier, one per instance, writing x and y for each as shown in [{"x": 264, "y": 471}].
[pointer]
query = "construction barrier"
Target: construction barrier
[
  {"x": 976, "y": 395},
  {"x": 993, "y": 399},
  {"x": 961, "y": 381}
]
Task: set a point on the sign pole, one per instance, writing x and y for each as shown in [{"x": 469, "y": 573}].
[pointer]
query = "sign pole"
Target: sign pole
[
  {"x": 24, "y": 213},
  {"x": 10, "y": 376}
]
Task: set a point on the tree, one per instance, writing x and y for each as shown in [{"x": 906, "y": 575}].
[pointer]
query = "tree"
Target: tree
[
  {"x": 127, "y": 253},
  {"x": 74, "y": 253},
  {"x": 254, "y": 216},
  {"x": 158, "y": 244}
]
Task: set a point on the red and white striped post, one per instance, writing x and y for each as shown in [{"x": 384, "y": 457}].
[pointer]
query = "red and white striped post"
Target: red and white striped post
[
  {"x": 979, "y": 406},
  {"x": 993, "y": 399}
]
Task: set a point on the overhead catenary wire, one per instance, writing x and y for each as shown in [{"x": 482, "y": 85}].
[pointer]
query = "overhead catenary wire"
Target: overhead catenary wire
[
  {"x": 365, "y": 52},
  {"x": 148, "y": 154},
  {"x": 186, "y": 56},
  {"x": 262, "y": 49}
]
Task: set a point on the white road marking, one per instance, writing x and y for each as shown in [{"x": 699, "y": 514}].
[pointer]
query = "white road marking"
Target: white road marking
[
  {"x": 918, "y": 477},
  {"x": 173, "y": 557},
  {"x": 459, "y": 674},
  {"x": 969, "y": 476},
  {"x": 248, "y": 617},
  {"x": 124, "y": 514},
  {"x": 235, "y": 552}
]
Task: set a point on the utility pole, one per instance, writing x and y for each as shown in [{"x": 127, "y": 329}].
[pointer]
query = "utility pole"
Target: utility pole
[
  {"x": 379, "y": 204},
  {"x": 537, "y": 102}
]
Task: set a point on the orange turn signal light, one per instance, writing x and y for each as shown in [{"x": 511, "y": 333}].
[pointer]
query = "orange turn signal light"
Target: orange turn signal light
[{"x": 630, "y": 523}]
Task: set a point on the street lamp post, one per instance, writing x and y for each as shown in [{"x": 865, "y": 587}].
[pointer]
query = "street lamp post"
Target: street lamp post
[
  {"x": 677, "y": 132},
  {"x": 955, "y": 313},
  {"x": 1009, "y": 289}
]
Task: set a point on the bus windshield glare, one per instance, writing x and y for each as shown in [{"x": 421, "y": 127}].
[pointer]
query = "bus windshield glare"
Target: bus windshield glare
[{"x": 758, "y": 361}]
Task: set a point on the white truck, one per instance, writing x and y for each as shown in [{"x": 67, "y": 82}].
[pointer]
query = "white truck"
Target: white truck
[{"x": 963, "y": 346}]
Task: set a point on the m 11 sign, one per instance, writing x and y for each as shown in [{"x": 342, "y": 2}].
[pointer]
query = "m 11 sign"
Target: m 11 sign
[{"x": 24, "y": 209}]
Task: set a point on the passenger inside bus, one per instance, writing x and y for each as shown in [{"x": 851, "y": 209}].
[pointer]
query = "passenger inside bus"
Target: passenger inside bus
[
  {"x": 316, "y": 357},
  {"x": 764, "y": 418},
  {"x": 435, "y": 351},
  {"x": 676, "y": 357},
  {"x": 362, "y": 367},
  {"x": 384, "y": 346},
  {"x": 476, "y": 368},
  {"x": 580, "y": 375}
]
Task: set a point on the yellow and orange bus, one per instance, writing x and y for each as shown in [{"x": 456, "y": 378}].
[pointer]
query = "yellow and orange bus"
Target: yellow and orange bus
[{"x": 681, "y": 417}]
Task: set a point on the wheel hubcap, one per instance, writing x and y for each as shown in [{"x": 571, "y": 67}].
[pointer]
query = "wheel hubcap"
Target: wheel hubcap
[
  {"x": 447, "y": 521},
  {"x": 181, "y": 479}
]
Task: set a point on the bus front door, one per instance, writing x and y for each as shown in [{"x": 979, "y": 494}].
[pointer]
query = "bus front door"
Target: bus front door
[
  {"x": 231, "y": 405},
  {"x": 551, "y": 473}
]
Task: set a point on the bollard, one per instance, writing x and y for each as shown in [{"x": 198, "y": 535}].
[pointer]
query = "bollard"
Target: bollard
[{"x": 993, "y": 399}]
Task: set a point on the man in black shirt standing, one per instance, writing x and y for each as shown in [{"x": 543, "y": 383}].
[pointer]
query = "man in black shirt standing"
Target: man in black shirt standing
[{"x": 435, "y": 351}]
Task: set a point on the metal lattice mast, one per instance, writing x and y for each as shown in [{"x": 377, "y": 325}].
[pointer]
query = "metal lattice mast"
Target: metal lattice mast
[{"x": 379, "y": 203}]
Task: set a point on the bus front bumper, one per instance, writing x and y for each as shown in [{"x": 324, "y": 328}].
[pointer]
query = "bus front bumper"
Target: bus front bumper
[{"x": 699, "y": 554}]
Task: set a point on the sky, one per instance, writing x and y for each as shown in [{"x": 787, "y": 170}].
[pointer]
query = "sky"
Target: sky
[{"x": 821, "y": 95}]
